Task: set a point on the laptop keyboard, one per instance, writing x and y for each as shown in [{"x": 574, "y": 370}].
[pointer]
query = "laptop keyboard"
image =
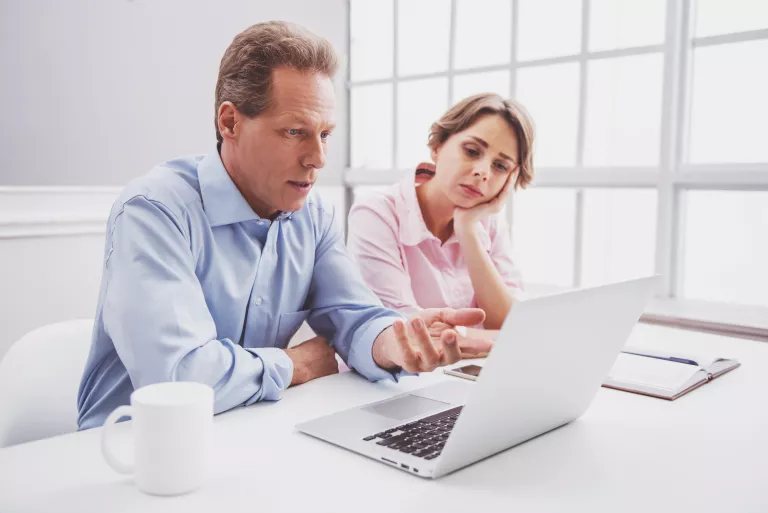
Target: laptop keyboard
[{"x": 424, "y": 438}]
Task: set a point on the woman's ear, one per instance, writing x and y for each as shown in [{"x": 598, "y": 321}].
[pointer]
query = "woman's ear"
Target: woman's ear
[{"x": 434, "y": 153}]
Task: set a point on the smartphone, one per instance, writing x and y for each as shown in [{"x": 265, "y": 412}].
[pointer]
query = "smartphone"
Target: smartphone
[{"x": 466, "y": 372}]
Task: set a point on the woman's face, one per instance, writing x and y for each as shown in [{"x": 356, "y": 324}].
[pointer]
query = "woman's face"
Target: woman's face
[{"x": 472, "y": 166}]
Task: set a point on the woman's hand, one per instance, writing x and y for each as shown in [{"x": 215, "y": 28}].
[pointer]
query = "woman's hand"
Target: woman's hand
[
  {"x": 469, "y": 346},
  {"x": 465, "y": 219}
]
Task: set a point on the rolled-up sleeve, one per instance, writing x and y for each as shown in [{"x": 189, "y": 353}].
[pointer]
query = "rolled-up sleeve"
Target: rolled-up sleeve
[
  {"x": 156, "y": 314},
  {"x": 343, "y": 308}
]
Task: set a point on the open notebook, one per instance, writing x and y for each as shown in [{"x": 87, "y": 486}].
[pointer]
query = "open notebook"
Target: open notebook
[{"x": 662, "y": 377}]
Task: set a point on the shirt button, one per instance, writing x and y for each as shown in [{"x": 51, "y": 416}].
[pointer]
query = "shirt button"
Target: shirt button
[{"x": 257, "y": 301}]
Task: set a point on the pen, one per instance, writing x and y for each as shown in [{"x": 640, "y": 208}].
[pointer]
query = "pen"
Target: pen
[{"x": 668, "y": 358}]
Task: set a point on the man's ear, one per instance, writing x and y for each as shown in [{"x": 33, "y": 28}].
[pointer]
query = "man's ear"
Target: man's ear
[{"x": 228, "y": 120}]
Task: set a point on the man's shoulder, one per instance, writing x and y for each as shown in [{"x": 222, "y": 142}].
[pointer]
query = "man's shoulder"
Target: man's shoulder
[{"x": 173, "y": 184}]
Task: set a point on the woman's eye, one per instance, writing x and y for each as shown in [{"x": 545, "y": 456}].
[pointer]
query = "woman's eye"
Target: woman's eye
[
  {"x": 501, "y": 167},
  {"x": 472, "y": 152}
]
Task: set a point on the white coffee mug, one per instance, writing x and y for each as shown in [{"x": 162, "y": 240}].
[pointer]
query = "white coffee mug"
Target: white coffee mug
[{"x": 172, "y": 431}]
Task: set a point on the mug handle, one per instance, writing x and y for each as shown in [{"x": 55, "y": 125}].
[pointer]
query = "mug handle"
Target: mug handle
[{"x": 106, "y": 448}]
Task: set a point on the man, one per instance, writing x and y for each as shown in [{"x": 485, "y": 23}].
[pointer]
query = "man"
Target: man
[{"x": 212, "y": 263}]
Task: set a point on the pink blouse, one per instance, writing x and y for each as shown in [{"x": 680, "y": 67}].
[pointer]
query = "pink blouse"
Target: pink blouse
[{"x": 406, "y": 265}]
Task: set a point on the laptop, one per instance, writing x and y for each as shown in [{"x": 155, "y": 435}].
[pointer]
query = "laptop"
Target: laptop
[{"x": 548, "y": 362}]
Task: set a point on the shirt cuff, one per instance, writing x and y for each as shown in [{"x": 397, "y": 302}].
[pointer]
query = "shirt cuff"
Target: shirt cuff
[
  {"x": 361, "y": 352},
  {"x": 278, "y": 371}
]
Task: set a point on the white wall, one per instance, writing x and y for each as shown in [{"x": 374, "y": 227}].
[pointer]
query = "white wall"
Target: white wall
[
  {"x": 95, "y": 92},
  {"x": 51, "y": 246}
]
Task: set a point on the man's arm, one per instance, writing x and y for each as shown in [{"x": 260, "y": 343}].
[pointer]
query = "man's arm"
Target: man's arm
[
  {"x": 344, "y": 310},
  {"x": 156, "y": 314}
]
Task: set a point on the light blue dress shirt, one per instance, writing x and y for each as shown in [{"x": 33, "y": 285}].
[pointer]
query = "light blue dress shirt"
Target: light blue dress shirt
[{"x": 197, "y": 287}]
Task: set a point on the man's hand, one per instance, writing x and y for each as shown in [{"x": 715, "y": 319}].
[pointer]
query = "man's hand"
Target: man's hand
[
  {"x": 410, "y": 346},
  {"x": 312, "y": 359}
]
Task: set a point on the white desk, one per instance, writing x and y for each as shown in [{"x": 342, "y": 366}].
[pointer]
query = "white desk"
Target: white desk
[{"x": 708, "y": 451}]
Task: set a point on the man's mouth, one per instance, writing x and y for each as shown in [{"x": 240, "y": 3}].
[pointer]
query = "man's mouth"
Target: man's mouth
[{"x": 300, "y": 185}]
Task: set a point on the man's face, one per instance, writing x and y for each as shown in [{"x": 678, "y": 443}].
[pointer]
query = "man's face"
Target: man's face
[{"x": 275, "y": 156}]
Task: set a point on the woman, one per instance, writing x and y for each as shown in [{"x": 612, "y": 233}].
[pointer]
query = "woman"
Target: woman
[{"x": 438, "y": 239}]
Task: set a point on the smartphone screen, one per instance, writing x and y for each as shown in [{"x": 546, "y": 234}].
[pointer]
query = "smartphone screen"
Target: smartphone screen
[{"x": 472, "y": 370}]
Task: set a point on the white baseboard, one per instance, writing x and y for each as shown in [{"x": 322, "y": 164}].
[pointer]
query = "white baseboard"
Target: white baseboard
[
  {"x": 51, "y": 248},
  {"x": 28, "y": 211},
  {"x": 54, "y": 211}
]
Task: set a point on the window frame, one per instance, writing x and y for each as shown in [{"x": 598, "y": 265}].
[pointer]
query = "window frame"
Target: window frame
[{"x": 672, "y": 177}]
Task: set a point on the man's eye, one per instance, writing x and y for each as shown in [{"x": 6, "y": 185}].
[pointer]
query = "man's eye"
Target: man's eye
[
  {"x": 293, "y": 131},
  {"x": 325, "y": 135}
]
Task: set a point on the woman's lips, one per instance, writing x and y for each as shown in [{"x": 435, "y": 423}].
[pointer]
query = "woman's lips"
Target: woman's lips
[{"x": 472, "y": 192}]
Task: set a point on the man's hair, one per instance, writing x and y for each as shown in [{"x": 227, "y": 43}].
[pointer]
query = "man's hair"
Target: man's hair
[
  {"x": 245, "y": 73},
  {"x": 465, "y": 113}
]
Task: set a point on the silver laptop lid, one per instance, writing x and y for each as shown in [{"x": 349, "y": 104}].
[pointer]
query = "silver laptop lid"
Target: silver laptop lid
[{"x": 546, "y": 366}]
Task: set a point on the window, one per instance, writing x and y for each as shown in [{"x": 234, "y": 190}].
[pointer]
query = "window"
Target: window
[
  {"x": 623, "y": 111},
  {"x": 551, "y": 95},
  {"x": 728, "y": 125},
  {"x": 544, "y": 235},
  {"x": 651, "y": 151},
  {"x": 725, "y": 246}
]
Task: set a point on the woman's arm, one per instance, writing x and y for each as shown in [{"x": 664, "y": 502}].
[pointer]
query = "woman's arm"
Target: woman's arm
[
  {"x": 491, "y": 292},
  {"x": 373, "y": 243},
  {"x": 494, "y": 277}
]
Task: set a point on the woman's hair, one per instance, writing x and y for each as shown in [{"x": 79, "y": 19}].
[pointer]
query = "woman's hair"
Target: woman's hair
[{"x": 465, "y": 113}]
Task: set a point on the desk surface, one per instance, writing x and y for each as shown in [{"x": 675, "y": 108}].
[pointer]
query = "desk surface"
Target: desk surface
[{"x": 707, "y": 451}]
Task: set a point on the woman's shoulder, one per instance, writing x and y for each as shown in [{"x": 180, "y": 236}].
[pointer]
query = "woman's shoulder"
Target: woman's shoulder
[{"x": 381, "y": 201}]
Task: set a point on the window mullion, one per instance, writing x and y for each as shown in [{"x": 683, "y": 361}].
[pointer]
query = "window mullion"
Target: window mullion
[
  {"x": 512, "y": 94},
  {"x": 674, "y": 109},
  {"x": 581, "y": 138}
]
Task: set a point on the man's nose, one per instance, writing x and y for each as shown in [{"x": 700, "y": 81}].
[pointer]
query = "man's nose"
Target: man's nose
[{"x": 315, "y": 154}]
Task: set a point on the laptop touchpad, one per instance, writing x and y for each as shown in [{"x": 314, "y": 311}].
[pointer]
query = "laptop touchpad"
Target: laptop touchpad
[{"x": 406, "y": 406}]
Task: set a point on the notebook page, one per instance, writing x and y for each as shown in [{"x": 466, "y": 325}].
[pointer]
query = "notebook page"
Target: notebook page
[
  {"x": 703, "y": 360},
  {"x": 651, "y": 372}
]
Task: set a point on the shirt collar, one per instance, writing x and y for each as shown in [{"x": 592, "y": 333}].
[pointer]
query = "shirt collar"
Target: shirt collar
[
  {"x": 413, "y": 228},
  {"x": 222, "y": 200}
]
